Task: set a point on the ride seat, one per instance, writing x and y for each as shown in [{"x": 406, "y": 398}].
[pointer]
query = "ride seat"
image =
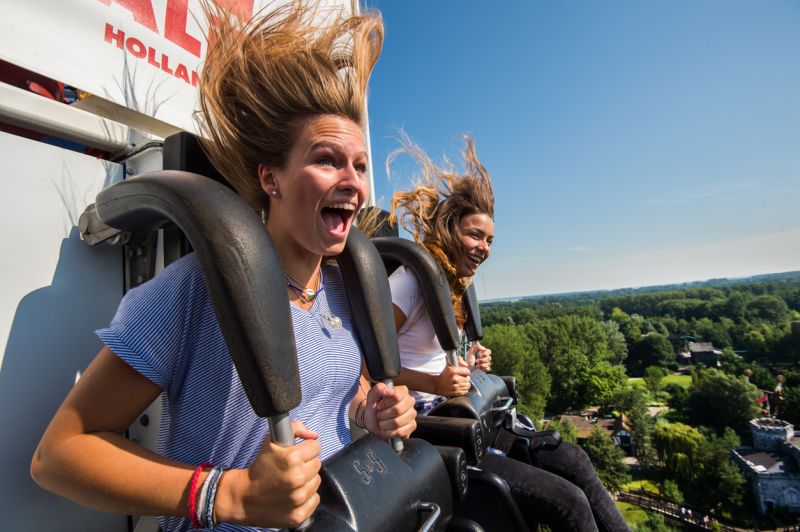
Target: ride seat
[
  {"x": 488, "y": 501},
  {"x": 367, "y": 485}
]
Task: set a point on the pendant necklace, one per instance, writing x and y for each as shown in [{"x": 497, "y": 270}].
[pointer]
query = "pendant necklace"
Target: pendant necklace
[
  {"x": 305, "y": 294},
  {"x": 328, "y": 320},
  {"x": 334, "y": 322}
]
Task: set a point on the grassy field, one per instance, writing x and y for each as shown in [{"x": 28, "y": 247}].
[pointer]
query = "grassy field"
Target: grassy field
[
  {"x": 633, "y": 514},
  {"x": 646, "y": 481},
  {"x": 644, "y": 484},
  {"x": 683, "y": 380}
]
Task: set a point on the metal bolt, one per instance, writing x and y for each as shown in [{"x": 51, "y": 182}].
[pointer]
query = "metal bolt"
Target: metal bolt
[
  {"x": 130, "y": 253},
  {"x": 144, "y": 420},
  {"x": 139, "y": 252},
  {"x": 139, "y": 279},
  {"x": 130, "y": 170}
]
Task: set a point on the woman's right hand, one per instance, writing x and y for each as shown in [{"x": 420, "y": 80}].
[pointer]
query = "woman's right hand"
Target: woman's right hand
[
  {"x": 454, "y": 380},
  {"x": 279, "y": 489}
]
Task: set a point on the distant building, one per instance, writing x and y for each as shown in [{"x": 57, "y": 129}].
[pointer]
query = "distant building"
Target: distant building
[
  {"x": 772, "y": 465},
  {"x": 617, "y": 428},
  {"x": 704, "y": 353}
]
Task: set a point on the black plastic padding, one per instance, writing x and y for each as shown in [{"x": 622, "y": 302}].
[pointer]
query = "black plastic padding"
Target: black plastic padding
[
  {"x": 456, "y": 464},
  {"x": 511, "y": 386},
  {"x": 432, "y": 281},
  {"x": 472, "y": 327},
  {"x": 489, "y": 502},
  {"x": 461, "y": 524},
  {"x": 544, "y": 440},
  {"x": 454, "y": 432},
  {"x": 243, "y": 273},
  {"x": 370, "y": 298},
  {"x": 367, "y": 486},
  {"x": 183, "y": 151}
]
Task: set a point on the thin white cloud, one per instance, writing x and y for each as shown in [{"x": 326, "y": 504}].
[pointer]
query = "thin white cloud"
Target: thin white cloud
[{"x": 582, "y": 249}]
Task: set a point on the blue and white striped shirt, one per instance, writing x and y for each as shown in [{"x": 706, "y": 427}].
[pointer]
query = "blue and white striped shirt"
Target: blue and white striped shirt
[{"x": 166, "y": 330}]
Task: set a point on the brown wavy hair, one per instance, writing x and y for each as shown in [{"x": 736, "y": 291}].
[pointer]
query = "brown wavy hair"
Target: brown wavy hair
[
  {"x": 431, "y": 212},
  {"x": 262, "y": 77}
]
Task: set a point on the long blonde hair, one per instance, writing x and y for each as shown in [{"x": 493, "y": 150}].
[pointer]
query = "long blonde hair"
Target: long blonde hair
[
  {"x": 431, "y": 212},
  {"x": 262, "y": 77}
]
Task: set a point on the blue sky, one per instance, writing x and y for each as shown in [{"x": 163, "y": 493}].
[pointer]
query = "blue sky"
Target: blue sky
[{"x": 630, "y": 143}]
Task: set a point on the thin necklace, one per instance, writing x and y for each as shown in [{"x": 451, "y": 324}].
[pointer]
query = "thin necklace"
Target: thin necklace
[{"x": 305, "y": 294}]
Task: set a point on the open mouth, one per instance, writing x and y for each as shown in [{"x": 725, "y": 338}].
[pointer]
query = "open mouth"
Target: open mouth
[
  {"x": 475, "y": 260},
  {"x": 337, "y": 216}
]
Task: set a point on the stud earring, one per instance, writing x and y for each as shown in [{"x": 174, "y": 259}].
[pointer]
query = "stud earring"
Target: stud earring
[{"x": 274, "y": 192}]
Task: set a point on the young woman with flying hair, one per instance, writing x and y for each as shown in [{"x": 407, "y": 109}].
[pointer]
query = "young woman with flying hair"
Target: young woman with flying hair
[
  {"x": 282, "y": 122},
  {"x": 451, "y": 214}
]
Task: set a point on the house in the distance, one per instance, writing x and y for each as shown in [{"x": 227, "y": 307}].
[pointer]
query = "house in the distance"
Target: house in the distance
[
  {"x": 703, "y": 353},
  {"x": 616, "y": 427}
]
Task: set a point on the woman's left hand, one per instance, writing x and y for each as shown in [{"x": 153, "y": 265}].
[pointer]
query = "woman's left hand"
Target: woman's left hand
[
  {"x": 479, "y": 357},
  {"x": 390, "y": 412}
]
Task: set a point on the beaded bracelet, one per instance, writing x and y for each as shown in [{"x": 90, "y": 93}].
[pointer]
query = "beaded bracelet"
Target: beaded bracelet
[
  {"x": 193, "y": 492},
  {"x": 216, "y": 477},
  {"x": 201, "y": 502}
]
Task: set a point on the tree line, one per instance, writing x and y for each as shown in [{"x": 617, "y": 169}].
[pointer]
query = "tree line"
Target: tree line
[{"x": 572, "y": 352}]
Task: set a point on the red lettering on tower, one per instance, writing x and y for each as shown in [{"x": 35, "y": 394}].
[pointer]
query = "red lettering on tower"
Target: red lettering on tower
[
  {"x": 181, "y": 72},
  {"x": 142, "y": 11},
  {"x": 136, "y": 47},
  {"x": 165, "y": 64},
  {"x": 151, "y": 57},
  {"x": 117, "y": 36},
  {"x": 175, "y": 26}
]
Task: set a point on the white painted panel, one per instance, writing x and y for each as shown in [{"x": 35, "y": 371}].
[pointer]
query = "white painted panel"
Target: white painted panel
[{"x": 54, "y": 292}]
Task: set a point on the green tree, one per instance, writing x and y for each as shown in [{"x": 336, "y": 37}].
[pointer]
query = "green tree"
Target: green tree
[
  {"x": 756, "y": 344},
  {"x": 669, "y": 490},
  {"x": 654, "y": 523},
  {"x": 678, "y": 447},
  {"x": 629, "y": 326},
  {"x": 653, "y": 376},
  {"x": 789, "y": 406},
  {"x": 677, "y": 395},
  {"x": 570, "y": 347},
  {"x": 626, "y": 399},
  {"x": 567, "y": 430},
  {"x": 650, "y": 350},
  {"x": 513, "y": 353},
  {"x": 768, "y": 308},
  {"x": 602, "y": 382},
  {"x": 712, "y": 331},
  {"x": 719, "y": 400},
  {"x": 718, "y": 479},
  {"x": 607, "y": 459},
  {"x": 616, "y": 341},
  {"x": 641, "y": 429},
  {"x": 735, "y": 305}
]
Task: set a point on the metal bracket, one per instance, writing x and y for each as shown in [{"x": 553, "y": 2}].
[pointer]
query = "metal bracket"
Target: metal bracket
[
  {"x": 140, "y": 258},
  {"x": 95, "y": 232},
  {"x": 140, "y": 248}
]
